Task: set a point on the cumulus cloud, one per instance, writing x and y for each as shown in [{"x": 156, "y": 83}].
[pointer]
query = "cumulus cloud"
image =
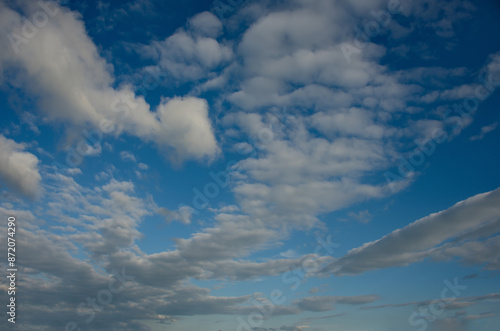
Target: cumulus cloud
[
  {"x": 206, "y": 23},
  {"x": 70, "y": 74},
  {"x": 296, "y": 175},
  {"x": 193, "y": 53},
  {"x": 18, "y": 168},
  {"x": 188, "y": 130},
  {"x": 319, "y": 125}
]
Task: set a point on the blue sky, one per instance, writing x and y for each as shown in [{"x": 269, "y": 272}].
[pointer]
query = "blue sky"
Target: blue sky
[{"x": 252, "y": 165}]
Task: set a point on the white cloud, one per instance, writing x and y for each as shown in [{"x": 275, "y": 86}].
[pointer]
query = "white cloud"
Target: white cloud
[
  {"x": 484, "y": 130},
  {"x": 115, "y": 185},
  {"x": 193, "y": 53},
  {"x": 212, "y": 243},
  {"x": 289, "y": 253},
  {"x": 186, "y": 128},
  {"x": 206, "y": 23},
  {"x": 295, "y": 176},
  {"x": 18, "y": 168},
  {"x": 422, "y": 238},
  {"x": 473, "y": 252},
  {"x": 74, "y": 171},
  {"x": 143, "y": 166},
  {"x": 338, "y": 123},
  {"x": 351, "y": 122},
  {"x": 458, "y": 92},
  {"x": 244, "y": 270},
  {"x": 62, "y": 67},
  {"x": 127, "y": 156}
]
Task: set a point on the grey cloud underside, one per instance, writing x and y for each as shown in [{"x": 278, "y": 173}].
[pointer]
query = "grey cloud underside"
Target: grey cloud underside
[
  {"x": 59, "y": 280},
  {"x": 19, "y": 168},
  {"x": 159, "y": 277}
]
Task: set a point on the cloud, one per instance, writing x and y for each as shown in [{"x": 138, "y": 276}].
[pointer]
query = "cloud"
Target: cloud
[
  {"x": 473, "y": 253},
  {"x": 127, "y": 156},
  {"x": 449, "y": 324},
  {"x": 212, "y": 243},
  {"x": 350, "y": 122},
  {"x": 293, "y": 328},
  {"x": 289, "y": 253},
  {"x": 450, "y": 304},
  {"x": 362, "y": 216},
  {"x": 143, "y": 166},
  {"x": 319, "y": 127},
  {"x": 244, "y": 270},
  {"x": 184, "y": 214},
  {"x": 479, "y": 316},
  {"x": 206, "y": 23},
  {"x": 105, "y": 231},
  {"x": 313, "y": 290},
  {"x": 321, "y": 131},
  {"x": 297, "y": 176},
  {"x": 326, "y": 303},
  {"x": 484, "y": 130},
  {"x": 18, "y": 168},
  {"x": 188, "y": 130},
  {"x": 56, "y": 272},
  {"x": 283, "y": 327},
  {"x": 79, "y": 79},
  {"x": 443, "y": 18},
  {"x": 420, "y": 239},
  {"x": 108, "y": 232},
  {"x": 74, "y": 171},
  {"x": 193, "y": 53}
]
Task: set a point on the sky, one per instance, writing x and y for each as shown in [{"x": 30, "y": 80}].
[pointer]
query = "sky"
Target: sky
[{"x": 251, "y": 164}]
